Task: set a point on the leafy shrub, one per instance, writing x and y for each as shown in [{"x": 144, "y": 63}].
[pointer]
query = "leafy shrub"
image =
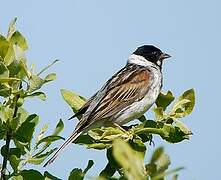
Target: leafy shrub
[{"x": 125, "y": 147}]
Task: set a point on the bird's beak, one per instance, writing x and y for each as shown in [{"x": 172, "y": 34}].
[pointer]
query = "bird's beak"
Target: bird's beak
[{"x": 164, "y": 56}]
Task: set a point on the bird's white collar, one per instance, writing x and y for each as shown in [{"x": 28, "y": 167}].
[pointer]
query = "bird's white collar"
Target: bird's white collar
[{"x": 140, "y": 60}]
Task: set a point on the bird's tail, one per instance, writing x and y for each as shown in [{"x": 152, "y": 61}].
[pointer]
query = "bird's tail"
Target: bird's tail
[{"x": 64, "y": 145}]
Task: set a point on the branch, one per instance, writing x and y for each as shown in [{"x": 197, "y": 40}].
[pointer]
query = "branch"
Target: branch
[{"x": 8, "y": 139}]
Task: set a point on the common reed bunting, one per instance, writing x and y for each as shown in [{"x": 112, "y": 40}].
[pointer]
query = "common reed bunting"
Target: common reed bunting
[{"x": 127, "y": 95}]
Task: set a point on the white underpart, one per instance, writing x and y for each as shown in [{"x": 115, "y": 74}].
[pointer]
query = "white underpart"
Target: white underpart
[
  {"x": 140, "y": 60},
  {"x": 138, "y": 108}
]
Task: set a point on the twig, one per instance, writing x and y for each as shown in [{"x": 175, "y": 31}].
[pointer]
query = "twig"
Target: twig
[
  {"x": 47, "y": 67},
  {"x": 149, "y": 130},
  {"x": 8, "y": 139}
]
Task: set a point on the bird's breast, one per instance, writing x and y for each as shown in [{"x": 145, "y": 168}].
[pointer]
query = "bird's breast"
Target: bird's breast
[{"x": 138, "y": 108}]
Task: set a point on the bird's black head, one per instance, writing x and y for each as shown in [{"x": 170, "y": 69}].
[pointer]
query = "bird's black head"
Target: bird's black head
[{"x": 152, "y": 54}]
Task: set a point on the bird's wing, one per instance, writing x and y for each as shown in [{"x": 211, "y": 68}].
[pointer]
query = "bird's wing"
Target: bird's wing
[
  {"x": 84, "y": 108},
  {"x": 127, "y": 86},
  {"x": 91, "y": 103}
]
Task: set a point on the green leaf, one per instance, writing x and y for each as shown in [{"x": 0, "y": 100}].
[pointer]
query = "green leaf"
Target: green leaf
[
  {"x": 20, "y": 101},
  {"x": 96, "y": 134},
  {"x": 7, "y": 53},
  {"x": 99, "y": 146},
  {"x": 175, "y": 177},
  {"x": 142, "y": 118},
  {"x": 59, "y": 127},
  {"x": 31, "y": 175},
  {"x": 164, "y": 100},
  {"x": 19, "y": 67},
  {"x": 15, "y": 151},
  {"x": 16, "y": 121},
  {"x": 6, "y": 80},
  {"x": 173, "y": 134},
  {"x": 18, "y": 39},
  {"x": 50, "y": 77},
  {"x": 149, "y": 123},
  {"x": 19, "y": 53},
  {"x": 35, "y": 83},
  {"x": 169, "y": 132},
  {"x": 41, "y": 134},
  {"x": 138, "y": 145},
  {"x": 163, "y": 163},
  {"x": 108, "y": 171},
  {"x": 49, "y": 139},
  {"x": 164, "y": 174},
  {"x": 6, "y": 113},
  {"x": 15, "y": 69},
  {"x": 49, "y": 176},
  {"x": 17, "y": 177},
  {"x": 9, "y": 56},
  {"x": 148, "y": 131},
  {"x": 84, "y": 139},
  {"x": 89, "y": 166},
  {"x": 184, "y": 105},
  {"x": 156, "y": 155},
  {"x": 11, "y": 28},
  {"x": 40, "y": 158},
  {"x": 158, "y": 165},
  {"x": 21, "y": 117},
  {"x": 111, "y": 159},
  {"x": 111, "y": 134},
  {"x": 73, "y": 100},
  {"x": 44, "y": 69},
  {"x": 4, "y": 72},
  {"x": 76, "y": 174},
  {"x": 158, "y": 113},
  {"x": 183, "y": 127},
  {"x": 40, "y": 95},
  {"x": 14, "y": 162},
  {"x": 3, "y": 130},
  {"x": 5, "y": 92},
  {"x": 107, "y": 134},
  {"x": 151, "y": 169},
  {"x": 12, "y": 151},
  {"x": 131, "y": 163},
  {"x": 26, "y": 130},
  {"x": 4, "y": 45}
]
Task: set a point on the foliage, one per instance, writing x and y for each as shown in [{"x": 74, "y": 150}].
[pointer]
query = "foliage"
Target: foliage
[
  {"x": 18, "y": 83},
  {"x": 125, "y": 148},
  {"x": 167, "y": 123}
]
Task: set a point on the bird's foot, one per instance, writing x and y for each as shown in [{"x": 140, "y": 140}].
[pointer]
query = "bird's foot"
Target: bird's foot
[{"x": 151, "y": 142}]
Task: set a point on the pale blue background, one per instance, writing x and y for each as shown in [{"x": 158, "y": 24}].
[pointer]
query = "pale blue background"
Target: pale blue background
[{"x": 93, "y": 40}]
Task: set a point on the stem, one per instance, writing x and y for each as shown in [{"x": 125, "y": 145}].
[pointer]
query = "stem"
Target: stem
[
  {"x": 47, "y": 67},
  {"x": 5, "y": 159},
  {"x": 149, "y": 130},
  {"x": 8, "y": 139}
]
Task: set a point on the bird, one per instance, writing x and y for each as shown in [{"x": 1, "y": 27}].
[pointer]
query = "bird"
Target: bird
[{"x": 126, "y": 96}]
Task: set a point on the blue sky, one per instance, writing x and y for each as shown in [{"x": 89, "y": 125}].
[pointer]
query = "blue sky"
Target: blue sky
[{"x": 93, "y": 39}]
